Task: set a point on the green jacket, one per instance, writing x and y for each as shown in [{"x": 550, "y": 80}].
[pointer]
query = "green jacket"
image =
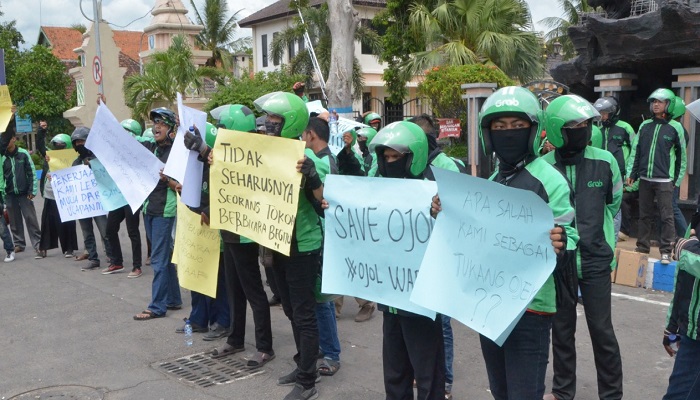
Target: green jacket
[
  {"x": 308, "y": 234},
  {"x": 684, "y": 312},
  {"x": 658, "y": 151}
]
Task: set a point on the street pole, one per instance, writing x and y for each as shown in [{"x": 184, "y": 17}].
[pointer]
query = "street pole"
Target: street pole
[{"x": 97, "y": 11}]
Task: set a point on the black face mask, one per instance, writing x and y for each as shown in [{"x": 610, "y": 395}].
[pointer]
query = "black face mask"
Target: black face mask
[
  {"x": 608, "y": 123},
  {"x": 273, "y": 128},
  {"x": 511, "y": 145},
  {"x": 577, "y": 140},
  {"x": 395, "y": 169},
  {"x": 363, "y": 146},
  {"x": 82, "y": 151}
]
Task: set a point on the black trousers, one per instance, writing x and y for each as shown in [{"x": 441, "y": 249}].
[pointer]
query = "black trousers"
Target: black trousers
[
  {"x": 413, "y": 348},
  {"x": 663, "y": 193},
  {"x": 114, "y": 221},
  {"x": 629, "y": 200},
  {"x": 244, "y": 285},
  {"x": 53, "y": 230},
  {"x": 296, "y": 280},
  {"x": 595, "y": 290}
]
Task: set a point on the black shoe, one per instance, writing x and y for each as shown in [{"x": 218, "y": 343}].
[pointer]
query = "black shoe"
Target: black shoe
[
  {"x": 640, "y": 250},
  {"x": 216, "y": 332},
  {"x": 299, "y": 393},
  {"x": 291, "y": 378},
  {"x": 195, "y": 329},
  {"x": 274, "y": 301}
]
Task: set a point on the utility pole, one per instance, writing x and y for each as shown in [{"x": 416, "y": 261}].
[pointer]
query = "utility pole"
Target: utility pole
[{"x": 97, "y": 11}]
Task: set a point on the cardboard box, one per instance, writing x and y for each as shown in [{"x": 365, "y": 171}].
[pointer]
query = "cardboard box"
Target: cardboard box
[
  {"x": 631, "y": 268},
  {"x": 664, "y": 276}
]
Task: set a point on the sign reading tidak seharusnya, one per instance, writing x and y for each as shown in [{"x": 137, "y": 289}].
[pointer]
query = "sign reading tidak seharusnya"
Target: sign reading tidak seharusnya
[{"x": 255, "y": 187}]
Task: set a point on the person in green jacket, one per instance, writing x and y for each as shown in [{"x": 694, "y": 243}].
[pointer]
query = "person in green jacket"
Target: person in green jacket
[
  {"x": 8, "y": 245},
  {"x": 510, "y": 124},
  {"x": 597, "y": 186},
  {"x": 288, "y": 117}
]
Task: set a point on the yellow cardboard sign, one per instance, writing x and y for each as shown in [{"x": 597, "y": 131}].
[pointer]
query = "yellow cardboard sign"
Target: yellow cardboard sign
[
  {"x": 5, "y": 107},
  {"x": 255, "y": 187},
  {"x": 59, "y": 159},
  {"x": 196, "y": 253}
]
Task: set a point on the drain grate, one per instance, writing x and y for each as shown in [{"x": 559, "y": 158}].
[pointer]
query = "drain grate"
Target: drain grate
[{"x": 205, "y": 371}]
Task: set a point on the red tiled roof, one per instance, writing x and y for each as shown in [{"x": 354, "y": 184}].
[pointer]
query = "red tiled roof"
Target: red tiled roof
[
  {"x": 62, "y": 41},
  {"x": 129, "y": 43}
]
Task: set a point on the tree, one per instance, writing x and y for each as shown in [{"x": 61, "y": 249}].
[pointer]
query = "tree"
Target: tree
[
  {"x": 218, "y": 32},
  {"x": 170, "y": 72},
  {"x": 245, "y": 90},
  {"x": 493, "y": 32},
  {"x": 317, "y": 24},
  {"x": 559, "y": 26},
  {"x": 343, "y": 22},
  {"x": 398, "y": 43}
]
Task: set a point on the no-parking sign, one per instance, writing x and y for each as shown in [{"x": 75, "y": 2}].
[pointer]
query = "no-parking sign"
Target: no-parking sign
[{"x": 97, "y": 70}]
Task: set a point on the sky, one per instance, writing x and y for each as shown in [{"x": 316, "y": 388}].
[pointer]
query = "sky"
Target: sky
[{"x": 30, "y": 14}]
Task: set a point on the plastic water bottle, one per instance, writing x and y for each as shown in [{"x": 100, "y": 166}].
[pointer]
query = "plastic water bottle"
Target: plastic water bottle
[
  {"x": 333, "y": 123},
  {"x": 188, "y": 334}
]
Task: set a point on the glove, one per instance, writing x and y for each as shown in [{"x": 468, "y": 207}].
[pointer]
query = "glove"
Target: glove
[
  {"x": 308, "y": 169},
  {"x": 195, "y": 141}
]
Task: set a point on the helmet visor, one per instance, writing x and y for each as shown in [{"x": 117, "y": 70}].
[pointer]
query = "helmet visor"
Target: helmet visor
[
  {"x": 216, "y": 113},
  {"x": 605, "y": 105}
]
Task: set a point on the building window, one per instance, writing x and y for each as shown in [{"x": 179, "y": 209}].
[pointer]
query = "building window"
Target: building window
[
  {"x": 275, "y": 61},
  {"x": 82, "y": 60},
  {"x": 367, "y": 23},
  {"x": 80, "y": 91},
  {"x": 264, "y": 50},
  {"x": 291, "y": 50},
  {"x": 302, "y": 44}
]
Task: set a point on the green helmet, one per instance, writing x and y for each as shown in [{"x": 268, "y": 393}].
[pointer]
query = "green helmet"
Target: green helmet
[
  {"x": 132, "y": 126},
  {"x": 596, "y": 137},
  {"x": 678, "y": 108},
  {"x": 406, "y": 138},
  {"x": 290, "y": 107},
  {"x": 512, "y": 101},
  {"x": 373, "y": 116},
  {"x": 148, "y": 134},
  {"x": 666, "y": 95},
  {"x": 210, "y": 136},
  {"x": 236, "y": 117},
  {"x": 61, "y": 141},
  {"x": 369, "y": 133},
  {"x": 566, "y": 111}
]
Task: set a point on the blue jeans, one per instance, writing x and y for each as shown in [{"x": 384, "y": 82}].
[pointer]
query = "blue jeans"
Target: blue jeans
[
  {"x": 165, "y": 290},
  {"x": 678, "y": 218},
  {"x": 684, "y": 383},
  {"x": 328, "y": 331},
  {"x": 89, "y": 237},
  {"x": 7, "y": 243},
  {"x": 449, "y": 350},
  {"x": 205, "y": 310},
  {"x": 617, "y": 223},
  {"x": 517, "y": 370}
]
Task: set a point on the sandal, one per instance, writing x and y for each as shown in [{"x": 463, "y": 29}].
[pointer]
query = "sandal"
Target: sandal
[
  {"x": 226, "y": 350},
  {"x": 328, "y": 367},
  {"x": 259, "y": 359},
  {"x": 179, "y": 307},
  {"x": 145, "y": 315}
]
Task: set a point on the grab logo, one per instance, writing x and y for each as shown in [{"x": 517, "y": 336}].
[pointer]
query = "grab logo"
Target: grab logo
[{"x": 507, "y": 102}]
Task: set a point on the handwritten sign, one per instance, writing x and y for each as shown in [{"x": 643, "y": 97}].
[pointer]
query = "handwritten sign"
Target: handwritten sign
[
  {"x": 77, "y": 194},
  {"x": 255, "y": 187},
  {"x": 5, "y": 107},
  {"x": 133, "y": 167},
  {"x": 110, "y": 194},
  {"x": 182, "y": 164},
  {"x": 489, "y": 255},
  {"x": 449, "y": 128},
  {"x": 197, "y": 252},
  {"x": 375, "y": 238},
  {"x": 60, "y": 159}
]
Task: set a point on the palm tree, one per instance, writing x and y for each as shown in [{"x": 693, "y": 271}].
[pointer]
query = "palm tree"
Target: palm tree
[
  {"x": 218, "y": 32},
  {"x": 559, "y": 26},
  {"x": 316, "y": 24},
  {"x": 496, "y": 32},
  {"x": 169, "y": 72}
]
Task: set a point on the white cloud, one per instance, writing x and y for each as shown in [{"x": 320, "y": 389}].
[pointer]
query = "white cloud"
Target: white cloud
[{"x": 30, "y": 14}]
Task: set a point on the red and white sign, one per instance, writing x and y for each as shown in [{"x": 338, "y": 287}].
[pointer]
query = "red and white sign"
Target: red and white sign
[
  {"x": 449, "y": 128},
  {"x": 97, "y": 70}
]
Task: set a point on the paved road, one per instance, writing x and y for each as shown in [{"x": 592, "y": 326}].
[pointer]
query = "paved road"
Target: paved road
[{"x": 63, "y": 331}]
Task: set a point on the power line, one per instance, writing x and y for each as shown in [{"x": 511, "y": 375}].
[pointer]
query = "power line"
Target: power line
[{"x": 142, "y": 17}]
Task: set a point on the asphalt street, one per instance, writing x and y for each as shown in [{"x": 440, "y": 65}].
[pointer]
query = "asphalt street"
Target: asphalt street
[{"x": 65, "y": 332}]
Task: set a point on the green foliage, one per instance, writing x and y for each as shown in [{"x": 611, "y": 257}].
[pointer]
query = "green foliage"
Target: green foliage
[
  {"x": 398, "y": 43},
  {"x": 168, "y": 73},
  {"x": 245, "y": 90},
  {"x": 459, "y": 32},
  {"x": 442, "y": 86},
  {"x": 559, "y": 26},
  {"x": 218, "y": 32},
  {"x": 38, "y": 161},
  {"x": 456, "y": 150}
]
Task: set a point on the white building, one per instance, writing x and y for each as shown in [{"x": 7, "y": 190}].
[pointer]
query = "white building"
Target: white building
[{"x": 269, "y": 21}]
